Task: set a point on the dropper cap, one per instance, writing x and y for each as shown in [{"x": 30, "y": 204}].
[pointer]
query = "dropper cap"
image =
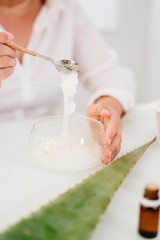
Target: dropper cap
[{"x": 151, "y": 191}]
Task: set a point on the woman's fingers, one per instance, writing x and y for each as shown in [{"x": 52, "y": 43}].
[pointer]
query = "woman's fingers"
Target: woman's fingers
[
  {"x": 6, "y": 66},
  {"x": 98, "y": 111},
  {"x": 7, "y": 56},
  {"x": 7, "y": 51},
  {"x": 5, "y": 73},
  {"x": 93, "y": 111},
  {"x": 111, "y": 120},
  {"x": 114, "y": 148},
  {"x": 111, "y": 127},
  {"x": 6, "y": 61},
  {"x": 110, "y": 153},
  {"x": 6, "y": 37}
]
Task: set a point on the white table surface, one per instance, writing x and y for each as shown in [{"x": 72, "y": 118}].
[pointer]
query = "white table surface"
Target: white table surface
[{"x": 25, "y": 186}]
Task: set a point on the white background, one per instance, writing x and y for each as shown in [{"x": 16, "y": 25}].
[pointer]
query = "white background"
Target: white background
[{"x": 132, "y": 28}]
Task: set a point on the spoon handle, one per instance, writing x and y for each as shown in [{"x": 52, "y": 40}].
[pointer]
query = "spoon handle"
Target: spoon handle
[{"x": 22, "y": 49}]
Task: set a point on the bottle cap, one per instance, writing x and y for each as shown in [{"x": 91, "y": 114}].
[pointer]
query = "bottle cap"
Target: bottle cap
[{"x": 152, "y": 186}]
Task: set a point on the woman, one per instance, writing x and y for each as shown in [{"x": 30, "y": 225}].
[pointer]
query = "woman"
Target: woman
[{"x": 59, "y": 29}]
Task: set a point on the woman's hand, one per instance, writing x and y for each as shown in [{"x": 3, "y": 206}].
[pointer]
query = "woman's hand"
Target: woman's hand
[
  {"x": 7, "y": 56},
  {"x": 109, "y": 111}
]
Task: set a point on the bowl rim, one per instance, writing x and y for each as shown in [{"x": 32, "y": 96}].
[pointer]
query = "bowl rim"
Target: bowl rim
[{"x": 70, "y": 139}]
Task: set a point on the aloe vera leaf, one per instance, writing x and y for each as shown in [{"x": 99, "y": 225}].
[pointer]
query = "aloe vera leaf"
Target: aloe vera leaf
[{"x": 75, "y": 214}]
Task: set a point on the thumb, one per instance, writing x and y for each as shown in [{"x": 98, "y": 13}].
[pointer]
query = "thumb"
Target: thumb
[
  {"x": 105, "y": 112},
  {"x": 98, "y": 110}
]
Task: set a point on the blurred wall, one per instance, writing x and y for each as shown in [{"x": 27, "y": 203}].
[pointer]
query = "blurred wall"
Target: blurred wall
[
  {"x": 131, "y": 39},
  {"x": 152, "y": 86},
  {"x": 136, "y": 37}
]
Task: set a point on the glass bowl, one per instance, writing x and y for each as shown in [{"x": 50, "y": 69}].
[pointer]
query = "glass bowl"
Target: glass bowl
[{"x": 67, "y": 144}]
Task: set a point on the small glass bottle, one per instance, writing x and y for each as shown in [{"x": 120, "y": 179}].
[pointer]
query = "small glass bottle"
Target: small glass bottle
[{"x": 149, "y": 211}]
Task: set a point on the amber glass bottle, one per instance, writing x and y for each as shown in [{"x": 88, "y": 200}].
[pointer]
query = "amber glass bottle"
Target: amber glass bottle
[{"x": 149, "y": 211}]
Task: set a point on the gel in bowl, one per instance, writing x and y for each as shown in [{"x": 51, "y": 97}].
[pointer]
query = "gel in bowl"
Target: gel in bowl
[{"x": 82, "y": 149}]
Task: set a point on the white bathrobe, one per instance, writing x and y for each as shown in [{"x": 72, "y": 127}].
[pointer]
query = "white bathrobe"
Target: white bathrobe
[{"x": 62, "y": 31}]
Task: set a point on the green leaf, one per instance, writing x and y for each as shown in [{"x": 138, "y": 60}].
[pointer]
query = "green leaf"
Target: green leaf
[{"x": 75, "y": 214}]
